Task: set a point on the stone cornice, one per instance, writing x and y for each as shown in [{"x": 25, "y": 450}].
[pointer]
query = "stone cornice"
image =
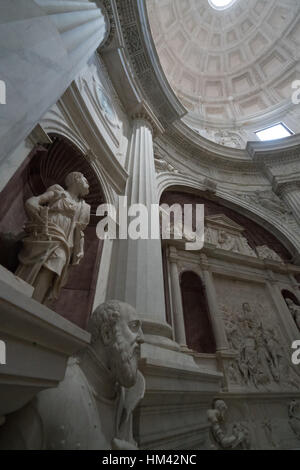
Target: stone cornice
[
  {"x": 281, "y": 186},
  {"x": 185, "y": 141},
  {"x": 180, "y": 145},
  {"x": 275, "y": 152}
]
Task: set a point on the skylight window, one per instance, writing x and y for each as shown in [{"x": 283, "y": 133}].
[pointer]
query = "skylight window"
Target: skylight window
[
  {"x": 221, "y": 4},
  {"x": 278, "y": 131}
]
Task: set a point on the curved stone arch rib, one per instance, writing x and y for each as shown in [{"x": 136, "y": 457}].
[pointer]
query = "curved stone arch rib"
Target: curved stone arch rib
[
  {"x": 283, "y": 233},
  {"x": 53, "y": 124}
]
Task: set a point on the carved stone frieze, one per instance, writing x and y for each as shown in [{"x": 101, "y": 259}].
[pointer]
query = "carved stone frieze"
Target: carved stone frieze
[
  {"x": 163, "y": 166},
  {"x": 226, "y": 235},
  {"x": 264, "y": 252},
  {"x": 267, "y": 200},
  {"x": 261, "y": 355},
  {"x": 223, "y": 137},
  {"x": 294, "y": 417}
]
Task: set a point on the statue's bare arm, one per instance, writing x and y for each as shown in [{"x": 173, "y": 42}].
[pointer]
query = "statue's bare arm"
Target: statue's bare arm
[{"x": 33, "y": 204}]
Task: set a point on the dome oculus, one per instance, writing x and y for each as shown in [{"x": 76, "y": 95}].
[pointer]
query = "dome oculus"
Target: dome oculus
[{"x": 221, "y": 4}]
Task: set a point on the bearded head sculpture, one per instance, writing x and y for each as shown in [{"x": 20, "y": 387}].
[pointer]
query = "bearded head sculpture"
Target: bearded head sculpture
[{"x": 115, "y": 326}]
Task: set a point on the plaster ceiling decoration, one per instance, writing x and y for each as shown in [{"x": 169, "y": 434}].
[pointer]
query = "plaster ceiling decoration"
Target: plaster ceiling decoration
[{"x": 231, "y": 66}]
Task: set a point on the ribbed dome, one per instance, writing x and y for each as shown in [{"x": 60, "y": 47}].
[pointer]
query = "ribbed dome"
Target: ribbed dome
[{"x": 229, "y": 66}]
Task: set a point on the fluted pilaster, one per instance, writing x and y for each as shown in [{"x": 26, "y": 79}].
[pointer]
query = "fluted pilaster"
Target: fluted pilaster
[
  {"x": 137, "y": 273},
  {"x": 178, "y": 317},
  {"x": 290, "y": 194},
  {"x": 44, "y": 45},
  {"x": 215, "y": 314}
]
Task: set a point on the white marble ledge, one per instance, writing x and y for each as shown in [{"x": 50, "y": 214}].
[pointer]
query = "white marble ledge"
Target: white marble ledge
[
  {"x": 27, "y": 319},
  {"x": 38, "y": 344},
  {"x": 14, "y": 281},
  {"x": 165, "y": 369}
]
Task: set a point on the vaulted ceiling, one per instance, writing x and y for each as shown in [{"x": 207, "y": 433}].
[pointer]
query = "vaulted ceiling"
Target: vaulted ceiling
[{"x": 229, "y": 66}]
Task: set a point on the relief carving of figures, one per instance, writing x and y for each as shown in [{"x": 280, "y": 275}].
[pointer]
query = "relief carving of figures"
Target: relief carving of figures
[
  {"x": 269, "y": 201},
  {"x": 261, "y": 358},
  {"x": 92, "y": 407},
  {"x": 226, "y": 241},
  {"x": 208, "y": 235},
  {"x": 264, "y": 252},
  {"x": 238, "y": 438},
  {"x": 294, "y": 417},
  {"x": 161, "y": 165},
  {"x": 268, "y": 426},
  {"x": 55, "y": 236},
  {"x": 233, "y": 373},
  {"x": 245, "y": 248},
  {"x": 222, "y": 137},
  {"x": 295, "y": 311},
  {"x": 92, "y": 81}
]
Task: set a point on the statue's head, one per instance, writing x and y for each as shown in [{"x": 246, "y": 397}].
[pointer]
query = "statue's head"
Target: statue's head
[
  {"x": 221, "y": 407},
  {"x": 246, "y": 307},
  {"x": 117, "y": 326},
  {"x": 78, "y": 183}
]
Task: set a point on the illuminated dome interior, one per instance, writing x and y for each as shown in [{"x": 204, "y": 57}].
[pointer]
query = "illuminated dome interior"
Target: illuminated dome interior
[
  {"x": 221, "y": 4},
  {"x": 231, "y": 63}
]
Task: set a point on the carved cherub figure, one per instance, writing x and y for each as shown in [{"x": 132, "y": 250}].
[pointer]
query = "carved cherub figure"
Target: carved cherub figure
[{"x": 239, "y": 439}]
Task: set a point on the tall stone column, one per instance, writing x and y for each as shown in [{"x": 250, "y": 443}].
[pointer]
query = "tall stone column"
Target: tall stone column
[
  {"x": 215, "y": 314},
  {"x": 290, "y": 194},
  {"x": 178, "y": 316},
  {"x": 136, "y": 273},
  {"x": 44, "y": 45}
]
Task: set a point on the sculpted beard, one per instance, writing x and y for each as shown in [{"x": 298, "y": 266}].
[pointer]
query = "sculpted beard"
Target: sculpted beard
[{"x": 124, "y": 360}]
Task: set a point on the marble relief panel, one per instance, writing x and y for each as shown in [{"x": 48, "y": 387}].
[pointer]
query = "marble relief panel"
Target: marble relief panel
[{"x": 261, "y": 354}]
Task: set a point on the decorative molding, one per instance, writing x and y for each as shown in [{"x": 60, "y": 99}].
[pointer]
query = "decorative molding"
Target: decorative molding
[
  {"x": 38, "y": 136},
  {"x": 135, "y": 29}
]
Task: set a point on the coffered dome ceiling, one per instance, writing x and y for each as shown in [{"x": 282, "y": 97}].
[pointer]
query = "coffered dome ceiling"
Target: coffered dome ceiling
[{"x": 230, "y": 67}]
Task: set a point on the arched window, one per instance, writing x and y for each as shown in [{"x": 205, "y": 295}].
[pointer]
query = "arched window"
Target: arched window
[{"x": 199, "y": 334}]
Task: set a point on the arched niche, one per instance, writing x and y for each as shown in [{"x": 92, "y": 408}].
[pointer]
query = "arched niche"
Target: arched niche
[
  {"x": 47, "y": 165},
  {"x": 289, "y": 295},
  {"x": 255, "y": 234},
  {"x": 198, "y": 329},
  {"x": 286, "y": 294}
]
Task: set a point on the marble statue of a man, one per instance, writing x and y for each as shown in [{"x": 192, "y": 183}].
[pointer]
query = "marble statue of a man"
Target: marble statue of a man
[
  {"x": 92, "y": 407},
  {"x": 55, "y": 237}
]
